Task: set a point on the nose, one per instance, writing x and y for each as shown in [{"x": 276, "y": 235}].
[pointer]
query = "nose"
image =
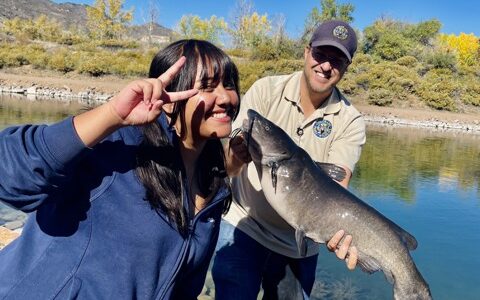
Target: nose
[
  {"x": 326, "y": 66},
  {"x": 222, "y": 95}
]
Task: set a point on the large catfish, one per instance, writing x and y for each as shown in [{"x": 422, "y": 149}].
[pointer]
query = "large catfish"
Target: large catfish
[{"x": 317, "y": 207}]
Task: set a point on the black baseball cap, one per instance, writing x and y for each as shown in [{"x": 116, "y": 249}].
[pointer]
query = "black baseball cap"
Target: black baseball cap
[{"x": 337, "y": 34}]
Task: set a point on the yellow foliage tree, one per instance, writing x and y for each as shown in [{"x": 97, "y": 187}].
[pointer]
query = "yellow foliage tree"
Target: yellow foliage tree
[
  {"x": 251, "y": 30},
  {"x": 41, "y": 28},
  {"x": 466, "y": 46},
  {"x": 194, "y": 27},
  {"x": 107, "y": 19}
]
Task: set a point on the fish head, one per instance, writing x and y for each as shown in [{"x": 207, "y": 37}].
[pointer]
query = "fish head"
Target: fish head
[{"x": 266, "y": 142}]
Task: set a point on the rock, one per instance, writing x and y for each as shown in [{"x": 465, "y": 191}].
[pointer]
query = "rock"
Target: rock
[
  {"x": 31, "y": 90},
  {"x": 17, "y": 90}
]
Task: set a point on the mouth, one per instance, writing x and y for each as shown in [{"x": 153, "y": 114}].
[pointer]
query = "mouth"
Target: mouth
[
  {"x": 321, "y": 74},
  {"x": 222, "y": 116}
]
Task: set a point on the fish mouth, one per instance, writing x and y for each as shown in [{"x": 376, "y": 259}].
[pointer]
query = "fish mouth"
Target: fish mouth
[{"x": 246, "y": 130}]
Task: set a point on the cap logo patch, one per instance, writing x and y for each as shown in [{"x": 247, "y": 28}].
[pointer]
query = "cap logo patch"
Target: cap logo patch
[{"x": 340, "y": 32}]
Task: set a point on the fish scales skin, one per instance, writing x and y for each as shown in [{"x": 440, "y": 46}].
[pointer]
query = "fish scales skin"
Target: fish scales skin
[{"x": 310, "y": 201}]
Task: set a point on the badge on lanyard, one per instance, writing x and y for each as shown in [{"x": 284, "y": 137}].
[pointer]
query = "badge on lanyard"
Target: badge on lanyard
[{"x": 322, "y": 128}]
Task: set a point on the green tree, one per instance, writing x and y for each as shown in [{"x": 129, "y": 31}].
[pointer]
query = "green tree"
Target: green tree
[
  {"x": 391, "y": 39},
  {"x": 330, "y": 10},
  {"x": 191, "y": 26},
  {"x": 107, "y": 19},
  {"x": 425, "y": 32}
]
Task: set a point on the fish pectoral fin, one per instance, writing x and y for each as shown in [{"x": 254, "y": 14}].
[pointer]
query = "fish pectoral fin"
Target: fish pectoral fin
[
  {"x": 332, "y": 170},
  {"x": 368, "y": 264},
  {"x": 300, "y": 238}
]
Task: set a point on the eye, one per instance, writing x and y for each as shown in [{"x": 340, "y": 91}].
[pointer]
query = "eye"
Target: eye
[
  {"x": 229, "y": 86},
  {"x": 267, "y": 128},
  {"x": 207, "y": 89}
]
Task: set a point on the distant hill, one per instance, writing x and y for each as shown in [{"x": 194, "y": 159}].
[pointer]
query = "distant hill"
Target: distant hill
[
  {"x": 70, "y": 14},
  {"x": 65, "y": 13}
]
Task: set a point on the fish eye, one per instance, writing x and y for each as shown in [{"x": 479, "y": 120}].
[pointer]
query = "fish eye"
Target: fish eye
[{"x": 267, "y": 128}]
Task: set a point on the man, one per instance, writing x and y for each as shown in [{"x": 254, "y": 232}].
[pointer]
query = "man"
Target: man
[{"x": 256, "y": 245}]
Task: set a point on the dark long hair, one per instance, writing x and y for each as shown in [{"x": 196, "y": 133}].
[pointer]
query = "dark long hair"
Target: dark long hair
[{"x": 159, "y": 165}]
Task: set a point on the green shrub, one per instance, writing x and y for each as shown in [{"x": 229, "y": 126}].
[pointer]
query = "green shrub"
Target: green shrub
[
  {"x": 36, "y": 56},
  {"x": 441, "y": 60},
  {"x": 95, "y": 64},
  {"x": 252, "y": 70},
  {"x": 380, "y": 97},
  {"x": 361, "y": 58},
  {"x": 471, "y": 91},
  {"x": 236, "y": 52},
  {"x": 438, "y": 90},
  {"x": 62, "y": 60},
  {"x": 13, "y": 56},
  {"x": 348, "y": 85},
  {"x": 397, "y": 79},
  {"x": 392, "y": 47},
  {"x": 129, "y": 63},
  {"x": 117, "y": 44},
  {"x": 407, "y": 61}
]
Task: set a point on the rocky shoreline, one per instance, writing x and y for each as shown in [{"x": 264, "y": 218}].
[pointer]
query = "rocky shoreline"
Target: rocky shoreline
[
  {"x": 433, "y": 123},
  {"x": 91, "y": 96}
]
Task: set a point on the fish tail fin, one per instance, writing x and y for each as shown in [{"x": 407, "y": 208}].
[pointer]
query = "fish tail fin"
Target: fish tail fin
[
  {"x": 416, "y": 289},
  {"x": 414, "y": 293}
]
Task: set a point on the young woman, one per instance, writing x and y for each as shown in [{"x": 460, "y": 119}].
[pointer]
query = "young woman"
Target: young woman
[{"x": 126, "y": 197}]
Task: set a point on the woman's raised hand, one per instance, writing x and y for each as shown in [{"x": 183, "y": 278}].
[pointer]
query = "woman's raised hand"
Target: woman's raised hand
[{"x": 141, "y": 101}]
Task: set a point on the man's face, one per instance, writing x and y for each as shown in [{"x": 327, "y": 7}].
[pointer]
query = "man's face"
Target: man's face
[{"x": 324, "y": 67}]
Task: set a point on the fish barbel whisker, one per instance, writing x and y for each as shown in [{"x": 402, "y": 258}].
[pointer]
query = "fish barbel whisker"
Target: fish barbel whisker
[{"x": 273, "y": 172}]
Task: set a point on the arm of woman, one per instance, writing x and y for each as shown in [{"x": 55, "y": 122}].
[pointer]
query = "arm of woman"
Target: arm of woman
[{"x": 39, "y": 160}]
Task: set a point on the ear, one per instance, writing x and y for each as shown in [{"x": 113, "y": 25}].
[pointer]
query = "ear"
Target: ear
[{"x": 306, "y": 52}]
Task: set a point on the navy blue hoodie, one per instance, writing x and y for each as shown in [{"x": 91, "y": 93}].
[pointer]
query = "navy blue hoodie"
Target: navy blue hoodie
[{"x": 91, "y": 234}]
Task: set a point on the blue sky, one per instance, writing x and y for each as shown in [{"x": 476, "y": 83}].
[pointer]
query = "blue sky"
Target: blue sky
[{"x": 456, "y": 16}]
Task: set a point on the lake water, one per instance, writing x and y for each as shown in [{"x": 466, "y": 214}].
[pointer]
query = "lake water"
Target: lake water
[{"x": 425, "y": 181}]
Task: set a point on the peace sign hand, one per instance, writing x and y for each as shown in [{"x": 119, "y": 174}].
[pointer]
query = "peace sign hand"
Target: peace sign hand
[{"x": 141, "y": 101}]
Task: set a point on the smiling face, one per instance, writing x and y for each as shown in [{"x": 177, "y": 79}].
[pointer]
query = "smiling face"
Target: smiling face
[
  {"x": 209, "y": 114},
  {"x": 323, "y": 69}
]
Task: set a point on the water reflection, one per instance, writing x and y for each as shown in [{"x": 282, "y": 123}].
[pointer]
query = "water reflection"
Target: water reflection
[
  {"x": 16, "y": 109},
  {"x": 395, "y": 159},
  {"x": 426, "y": 181}
]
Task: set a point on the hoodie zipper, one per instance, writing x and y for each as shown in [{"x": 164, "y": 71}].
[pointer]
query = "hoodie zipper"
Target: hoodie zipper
[{"x": 221, "y": 194}]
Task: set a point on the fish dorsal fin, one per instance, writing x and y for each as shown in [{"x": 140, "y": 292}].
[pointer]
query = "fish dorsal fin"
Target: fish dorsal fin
[
  {"x": 408, "y": 240},
  {"x": 301, "y": 242}
]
